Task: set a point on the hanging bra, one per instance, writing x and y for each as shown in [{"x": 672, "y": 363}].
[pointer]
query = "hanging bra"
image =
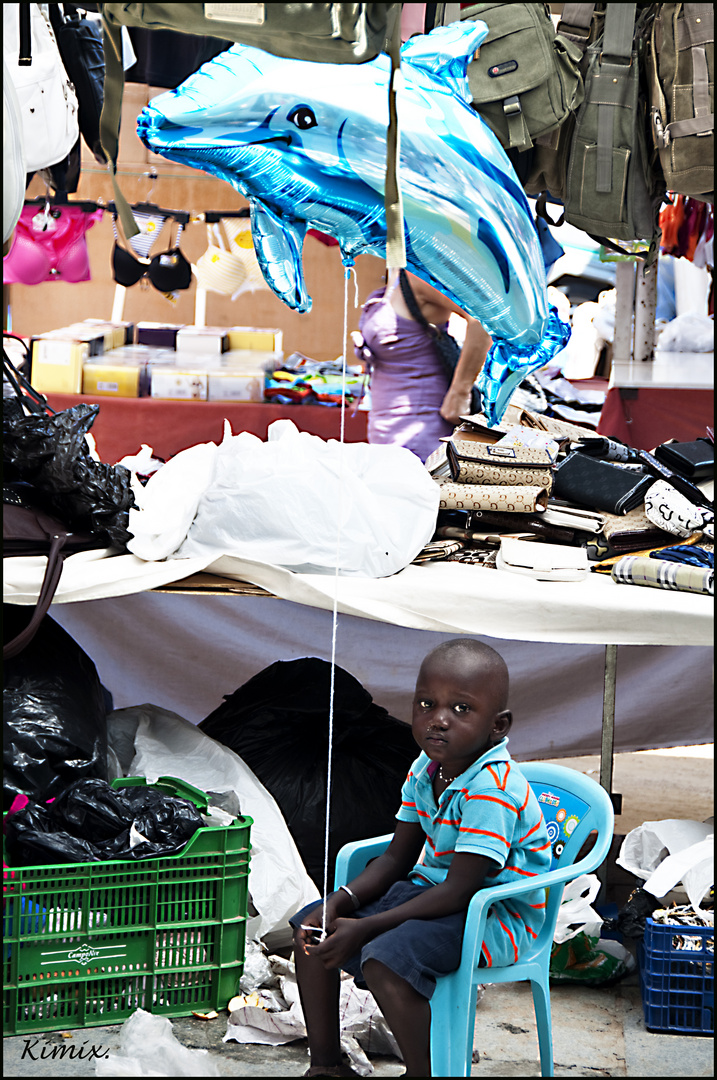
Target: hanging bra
[
  {"x": 229, "y": 269},
  {"x": 50, "y": 245},
  {"x": 168, "y": 271}
]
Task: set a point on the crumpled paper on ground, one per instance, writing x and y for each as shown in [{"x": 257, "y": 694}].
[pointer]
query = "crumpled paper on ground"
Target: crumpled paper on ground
[
  {"x": 149, "y": 1047},
  {"x": 665, "y": 853},
  {"x": 279, "y": 1018}
]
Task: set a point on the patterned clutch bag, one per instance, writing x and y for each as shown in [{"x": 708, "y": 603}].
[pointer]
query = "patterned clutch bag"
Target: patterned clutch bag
[
  {"x": 507, "y": 499},
  {"x": 476, "y": 462}
]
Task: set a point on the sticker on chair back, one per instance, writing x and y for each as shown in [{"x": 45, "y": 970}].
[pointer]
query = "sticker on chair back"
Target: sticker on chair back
[{"x": 563, "y": 812}]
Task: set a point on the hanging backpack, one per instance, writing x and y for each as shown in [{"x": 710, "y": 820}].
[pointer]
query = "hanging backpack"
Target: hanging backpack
[
  {"x": 525, "y": 80},
  {"x": 681, "y": 66},
  {"x": 543, "y": 170},
  {"x": 614, "y": 186}
]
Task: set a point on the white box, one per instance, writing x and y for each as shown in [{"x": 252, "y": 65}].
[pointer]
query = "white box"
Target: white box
[
  {"x": 170, "y": 383},
  {"x": 203, "y": 339},
  {"x": 236, "y": 385}
]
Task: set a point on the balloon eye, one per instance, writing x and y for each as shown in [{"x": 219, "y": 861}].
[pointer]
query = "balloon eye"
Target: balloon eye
[{"x": 303, "y": 117}]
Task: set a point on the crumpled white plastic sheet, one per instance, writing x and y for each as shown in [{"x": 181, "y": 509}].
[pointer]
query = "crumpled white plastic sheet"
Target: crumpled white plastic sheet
[
  {"x": 575, "y": 914},
  {"x": 279, "y": 1018},
  {"x": 149, "y": 1047},
  {"x": 669, "y": 852},
  {"x": 294, "y": 500},
  {"x": 168, "y": 745}
]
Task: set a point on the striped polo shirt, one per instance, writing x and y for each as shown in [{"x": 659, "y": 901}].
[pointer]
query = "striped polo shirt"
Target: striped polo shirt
[{"x": 490, "y": 809}]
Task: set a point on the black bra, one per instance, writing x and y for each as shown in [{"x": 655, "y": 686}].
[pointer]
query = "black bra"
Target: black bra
[{"x": 167, "y": 271}]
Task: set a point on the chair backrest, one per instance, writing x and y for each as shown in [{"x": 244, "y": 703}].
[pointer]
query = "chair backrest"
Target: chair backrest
[{"x": 574, "y": 806}]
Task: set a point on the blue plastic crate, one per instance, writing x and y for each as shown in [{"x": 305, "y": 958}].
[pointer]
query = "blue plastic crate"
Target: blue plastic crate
[{"x": 677, "y": 978}]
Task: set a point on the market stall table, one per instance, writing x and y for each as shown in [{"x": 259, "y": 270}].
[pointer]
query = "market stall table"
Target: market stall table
[
  {"x": 448, "y": 598},
  {"x": 123, "y": 424}
]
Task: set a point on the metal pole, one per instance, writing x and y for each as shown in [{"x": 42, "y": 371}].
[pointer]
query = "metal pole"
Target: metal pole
[
  {"x": 645, "y": 308},
  {"x": 607, "y": 741},
  {"x": 624, "y": 310}
]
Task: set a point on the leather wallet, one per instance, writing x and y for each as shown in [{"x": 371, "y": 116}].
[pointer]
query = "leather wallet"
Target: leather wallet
[
  {"x": 506, "y": 499},
  {"x": 600, "y": 485},
  {"x": 545, "y": 562},
  {"x": 473, "y": 461},
  {"x": 695, "y": 460}
]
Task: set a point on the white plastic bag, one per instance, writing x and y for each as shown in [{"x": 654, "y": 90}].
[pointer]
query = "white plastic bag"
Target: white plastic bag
[
  {"x": 665, "y": 853},
  {"x": 575, "y": 914},
  {"x": 168, "y": 745},
  {"x": 293, "y": 501},
  {"x": 149, "y": 1047},
  {"x": 688, "y": 333}
]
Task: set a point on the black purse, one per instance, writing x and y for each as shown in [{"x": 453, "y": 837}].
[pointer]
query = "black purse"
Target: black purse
[
  {"x": 79, "y": 41},
  {"x": 447, "y": 347}
]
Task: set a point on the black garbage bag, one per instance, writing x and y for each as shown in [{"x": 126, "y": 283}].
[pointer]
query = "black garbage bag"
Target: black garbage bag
[
  {"x": 632, "y": 917},
  {"x": 51, "y": 453},
  {"x": 89, "y": 821},
  {"x": 54, "y": 712},
  {"x": 278, "y": 723}
]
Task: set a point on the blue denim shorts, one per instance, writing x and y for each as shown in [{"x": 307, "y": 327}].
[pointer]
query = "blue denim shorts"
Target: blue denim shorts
[{"x": 419, "y": 950}]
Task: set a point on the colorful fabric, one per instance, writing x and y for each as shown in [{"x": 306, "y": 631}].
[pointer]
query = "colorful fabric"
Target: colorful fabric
[
  {"x": 491, "y": 810},
  {"x": 661, "y": 574}
]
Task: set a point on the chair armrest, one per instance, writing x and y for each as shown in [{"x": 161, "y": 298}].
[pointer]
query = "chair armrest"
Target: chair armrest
[{"x": 353, "y": 857}]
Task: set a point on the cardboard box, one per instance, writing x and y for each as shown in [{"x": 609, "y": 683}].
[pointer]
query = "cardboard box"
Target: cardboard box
[
  {"x": 203, "y": 339},
  {"x": 251, "y": 359},
  {"x": 160, "y": 335},
  {"x": 255, "y": 337},
  {"x": 235, "y": 385},
  {"x": 180, "y": 385},
  {"x": 122, "y": 332},
  {"x": 111, "y": 380},
  {"x": 56, "y": 366}
]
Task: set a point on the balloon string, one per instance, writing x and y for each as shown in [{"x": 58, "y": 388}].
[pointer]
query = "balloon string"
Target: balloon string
[{"x": 334, "y": 614}]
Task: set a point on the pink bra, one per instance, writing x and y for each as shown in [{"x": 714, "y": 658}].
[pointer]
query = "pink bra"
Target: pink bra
[{"x": 50, "y": 254}]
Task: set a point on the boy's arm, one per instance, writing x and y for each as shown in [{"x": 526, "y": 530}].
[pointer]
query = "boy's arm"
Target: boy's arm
[{"x": 466, "y": 875}]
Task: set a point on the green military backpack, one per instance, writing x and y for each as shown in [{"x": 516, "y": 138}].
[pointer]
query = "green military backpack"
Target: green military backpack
[
  {"x": 681, "y": 67},
  {"x": 614, "y": 186},
  {"x": 525, "y": 80}
]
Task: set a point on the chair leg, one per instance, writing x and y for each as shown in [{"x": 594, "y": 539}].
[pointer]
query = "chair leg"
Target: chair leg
[
  {"x": 453, "y": 1012},
  {"x": 541, "y": 1003}
]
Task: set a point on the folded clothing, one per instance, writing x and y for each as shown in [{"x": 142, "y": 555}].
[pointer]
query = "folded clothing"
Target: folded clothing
[{"x": 661, "y": 574}]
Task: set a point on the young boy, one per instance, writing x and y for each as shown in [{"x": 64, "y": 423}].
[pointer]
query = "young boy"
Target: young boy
[{"x": 468, "y": 818}]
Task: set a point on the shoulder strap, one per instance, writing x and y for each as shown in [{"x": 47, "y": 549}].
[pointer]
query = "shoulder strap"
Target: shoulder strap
[
  {"x": 575, "y": 23},
  {"x": 48, "y": 589},
  {"x": 614, "y": 59},
  {"x": 412, "y": 303}
]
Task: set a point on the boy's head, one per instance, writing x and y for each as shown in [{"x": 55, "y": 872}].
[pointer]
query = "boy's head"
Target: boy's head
[{"x": 460, "y": 704}]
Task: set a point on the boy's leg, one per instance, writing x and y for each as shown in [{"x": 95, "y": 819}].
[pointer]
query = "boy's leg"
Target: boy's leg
[
  {"x": 319, "y": 994},
  {"x": 407, "y": 1013}
]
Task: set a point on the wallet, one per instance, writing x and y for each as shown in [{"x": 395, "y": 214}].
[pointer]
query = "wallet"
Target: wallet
[
  {"x": 632, "y": 531},
  {"x": 510, "y": 500},
  {"x": 695, "y": 460},
  {"x": 545, "y": 562},
  {"x": 599, "y": 484},
  {"x": 473, "y": 461}
]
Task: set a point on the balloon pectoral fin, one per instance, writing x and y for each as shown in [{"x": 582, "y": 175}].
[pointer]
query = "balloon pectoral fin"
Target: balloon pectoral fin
[
  {"x": 507, "y": 365},
  {"x": 278, "y": 245}
]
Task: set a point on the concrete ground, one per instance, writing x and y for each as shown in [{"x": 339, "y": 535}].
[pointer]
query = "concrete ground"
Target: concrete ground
[{"x": 596, "y": 1032}]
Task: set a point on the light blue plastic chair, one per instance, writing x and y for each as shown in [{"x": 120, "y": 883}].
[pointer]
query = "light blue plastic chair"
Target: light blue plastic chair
[{"x": 574, "y": 806}]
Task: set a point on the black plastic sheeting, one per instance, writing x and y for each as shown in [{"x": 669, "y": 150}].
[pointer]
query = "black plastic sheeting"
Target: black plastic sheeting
[
  {"x": 54, "y": 712},
  {"x": 90, "y": 822},
  {"x": 278, "y": 723},
  {"x": 51, "y": 453}
]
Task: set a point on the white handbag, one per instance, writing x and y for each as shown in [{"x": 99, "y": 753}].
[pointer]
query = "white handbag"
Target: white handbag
[
  {"x": 544, "y": 562},
  {"x": 48, "y": 103},
  {"x": 13, "y": 158}
]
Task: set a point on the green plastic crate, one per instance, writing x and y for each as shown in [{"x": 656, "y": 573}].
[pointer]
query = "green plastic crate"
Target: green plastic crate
[{"x": 88, "y": 943}]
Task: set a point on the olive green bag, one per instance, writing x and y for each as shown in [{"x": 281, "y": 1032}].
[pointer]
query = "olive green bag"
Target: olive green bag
[
  {"x": 681, "y": 64},
  {"x": 525, "y": 79},
  {"x": 614, "y": 183}
]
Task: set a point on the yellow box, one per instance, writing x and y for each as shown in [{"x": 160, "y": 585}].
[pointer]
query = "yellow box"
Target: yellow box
[
  {"x": 254, "y": 337},
  {"x": 111, "y": 380},
  {"x": 57, "y": 365}
]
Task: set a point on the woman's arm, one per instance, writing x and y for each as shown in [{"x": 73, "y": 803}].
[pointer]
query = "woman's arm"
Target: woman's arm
[{"x": 457, "y": 401}]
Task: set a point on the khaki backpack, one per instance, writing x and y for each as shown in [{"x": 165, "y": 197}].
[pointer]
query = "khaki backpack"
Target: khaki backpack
[
  {"x": 681, "y": 67},
  {"x": 525, "y": 80}
]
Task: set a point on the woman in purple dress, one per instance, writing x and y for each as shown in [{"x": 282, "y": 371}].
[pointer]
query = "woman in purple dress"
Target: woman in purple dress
[{"x": 412, "y": 402}]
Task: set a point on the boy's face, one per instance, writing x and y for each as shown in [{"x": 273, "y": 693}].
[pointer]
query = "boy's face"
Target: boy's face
[{"x": 456, "y": 712}]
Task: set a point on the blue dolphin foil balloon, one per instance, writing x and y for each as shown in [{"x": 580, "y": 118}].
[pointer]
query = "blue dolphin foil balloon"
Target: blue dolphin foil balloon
[{"x": 305, "y": 143}]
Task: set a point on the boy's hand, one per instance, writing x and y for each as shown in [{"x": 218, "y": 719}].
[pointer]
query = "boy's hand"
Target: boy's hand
[
  {"x": 336, "y": 903},
  {"x": 347, "y": 937}
]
